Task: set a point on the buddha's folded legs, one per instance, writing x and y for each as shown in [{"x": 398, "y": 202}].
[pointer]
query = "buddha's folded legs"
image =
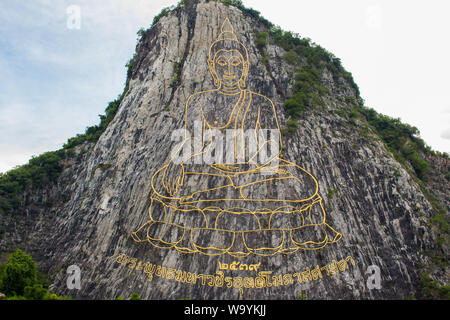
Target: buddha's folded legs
[
  {"x": 215, "y": 213},
  {"x": 238, "y": 234},
  {"x": 287, "y": 182}
]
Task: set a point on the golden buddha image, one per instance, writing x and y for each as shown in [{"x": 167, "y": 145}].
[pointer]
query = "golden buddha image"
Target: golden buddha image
[{"x": 237, "y": 205}]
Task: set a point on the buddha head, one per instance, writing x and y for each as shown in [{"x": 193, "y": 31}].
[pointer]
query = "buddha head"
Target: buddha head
[{"x": 228, "y": 60}]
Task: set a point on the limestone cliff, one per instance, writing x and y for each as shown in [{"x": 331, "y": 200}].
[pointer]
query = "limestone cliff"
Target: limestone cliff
[{"x": 104, "y": 191}]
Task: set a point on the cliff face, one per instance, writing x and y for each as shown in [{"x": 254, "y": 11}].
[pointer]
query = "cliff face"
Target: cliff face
[{"x": 104, "y": 193}]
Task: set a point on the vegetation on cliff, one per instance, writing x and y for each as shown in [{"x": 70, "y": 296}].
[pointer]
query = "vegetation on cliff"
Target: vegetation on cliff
[
  {"x": 40, "y": 171},
  {"x": 311, "y": 62},
  {"x": 20, "y": 279}
]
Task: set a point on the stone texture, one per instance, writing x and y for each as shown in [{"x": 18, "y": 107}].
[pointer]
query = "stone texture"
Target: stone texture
[{"x": 379, "y": 209}]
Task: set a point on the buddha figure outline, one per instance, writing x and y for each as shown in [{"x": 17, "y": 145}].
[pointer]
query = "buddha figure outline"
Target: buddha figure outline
[{"x": 238, "y": 206}]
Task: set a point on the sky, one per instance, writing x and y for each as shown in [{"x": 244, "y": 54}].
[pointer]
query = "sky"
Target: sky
[{"x": 61, "y": 61}]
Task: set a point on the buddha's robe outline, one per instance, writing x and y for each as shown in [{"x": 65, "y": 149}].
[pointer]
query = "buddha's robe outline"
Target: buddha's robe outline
[{"x": 202, "y": 212}]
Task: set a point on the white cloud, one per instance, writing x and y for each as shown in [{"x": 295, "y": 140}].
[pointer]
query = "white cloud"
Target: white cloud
[{"x": 55, "y": 81}]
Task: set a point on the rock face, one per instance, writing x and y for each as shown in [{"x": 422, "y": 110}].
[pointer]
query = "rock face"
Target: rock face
[{"x": 368, "y": 197}]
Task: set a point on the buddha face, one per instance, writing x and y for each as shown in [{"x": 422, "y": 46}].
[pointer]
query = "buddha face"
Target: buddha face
[{"x": 229, "y": 66}]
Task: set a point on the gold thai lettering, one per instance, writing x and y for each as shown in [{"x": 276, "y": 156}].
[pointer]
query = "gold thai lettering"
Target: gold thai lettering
[
  {"x": 191, "y": 278},
  {"x": 219, "y": 279},
  {"x": 316, "y": 273},
  {"x": 238, "y": 284},
  {"x": 243, "y": 266},
  {"x": 287, "y": 279},
  {"x": 132, "y": 264},
  {"x": 235, "y": 264},
  {"x": 181, "y": 276},
  {"x": 122, "y": 258},
  {"x": 249, "y": 282},
  {"x": 229, "y": 281},
  {"x": 350, "y": 259},
  {"x": 325, "y": 269},
  {"x": 203, "y": 277},
  {"x": 254, "y": 267},
  {"x": 160, "y": 271},
  {"x": 149, "y": 270},
  {"x": 277, "y": 280},
  {"x": 299, "y": 277},
  {"x": 223, "y": 266},
  {"x": 333, "y": 268},
  {"x": 170, "y": 274},
  {"x": 342, "y": 265},
  {"x": 211, "y": 279},
  {"x": 140, "y": 266},
  {"x": 263, "y": 279},
  {"x": 306, "y": 275}
]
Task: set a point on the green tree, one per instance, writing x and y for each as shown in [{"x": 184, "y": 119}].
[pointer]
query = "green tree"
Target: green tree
[
  {"x": 261, "y": 40},
  {"x": 19, "y": 272},
  {"x": 135, "y": 296},
  {"x": 36, "y": 292}
]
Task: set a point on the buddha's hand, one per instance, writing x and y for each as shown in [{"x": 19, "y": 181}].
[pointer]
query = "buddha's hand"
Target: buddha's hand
[
  {"x": 235, "y": 168},
  {"x": 173, "y": 177}
]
